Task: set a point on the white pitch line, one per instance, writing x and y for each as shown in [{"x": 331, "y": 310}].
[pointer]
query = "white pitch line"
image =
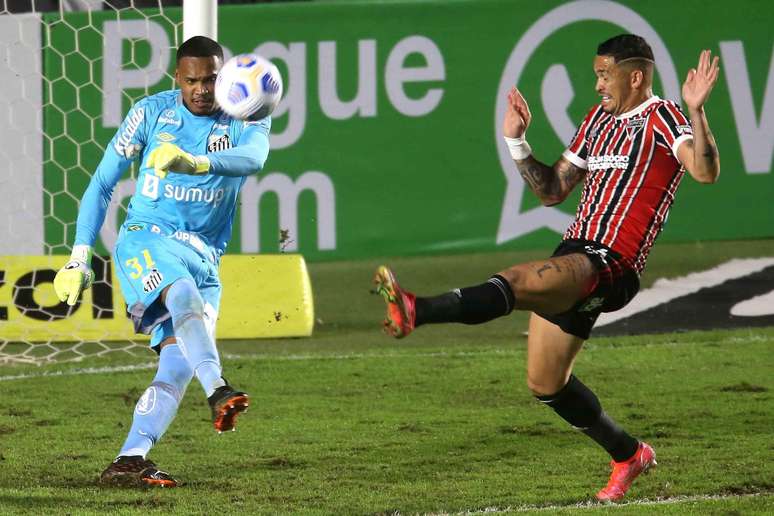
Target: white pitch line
[
  {"x": 277, "y": 358},
  {"x": 76, "y": 372},
  {"x": 603, "y": 506},
  {"x": 349, "y": 356}
]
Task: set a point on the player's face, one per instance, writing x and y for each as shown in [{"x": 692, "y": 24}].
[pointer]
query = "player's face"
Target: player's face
[
  {"x": 613, "y": 84},
  {"x": 196, "y": 78}
]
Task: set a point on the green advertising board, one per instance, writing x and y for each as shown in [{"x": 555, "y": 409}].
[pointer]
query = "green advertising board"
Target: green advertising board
[{"x": 388, "y": 141}]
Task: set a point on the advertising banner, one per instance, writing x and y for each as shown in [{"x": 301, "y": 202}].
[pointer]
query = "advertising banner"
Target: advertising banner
[
  {"x": 388, "y": 139},
  {"x": 31, "y": 312}
]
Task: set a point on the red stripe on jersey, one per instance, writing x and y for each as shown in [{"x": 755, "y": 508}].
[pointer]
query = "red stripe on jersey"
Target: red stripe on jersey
[
  {"x": 637, "y": 181},
  {"x": 632, "y": 176},
  {"x": 578, "y": 141},
  {"x": 642, "y": 146},
  {"x": 605, "y": 125},
  {"x": 617, "y": 178},
  {"x": 658, "y": 221}
]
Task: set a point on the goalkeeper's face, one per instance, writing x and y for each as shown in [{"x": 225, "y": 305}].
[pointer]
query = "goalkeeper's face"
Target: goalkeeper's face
[{"x": 196, "y": 78}]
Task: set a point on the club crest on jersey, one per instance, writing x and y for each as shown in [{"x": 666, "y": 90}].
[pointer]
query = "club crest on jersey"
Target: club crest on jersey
[
  {"x": 152, "y": 280},
  {"x": 634, "y": 126},
  {"x": 219, "y": 143}
]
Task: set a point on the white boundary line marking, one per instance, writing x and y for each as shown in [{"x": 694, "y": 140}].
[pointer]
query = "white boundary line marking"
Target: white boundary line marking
[
  {"x": 735, "y": 339},
  {"x": 77, "y": 372},
  {"x": 667, "y": 289},
  {"x": 604, "y": 506}
]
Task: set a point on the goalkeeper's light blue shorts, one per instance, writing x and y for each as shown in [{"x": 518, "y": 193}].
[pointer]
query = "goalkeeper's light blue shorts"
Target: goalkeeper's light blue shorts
[{"x": 148, "y": 259}]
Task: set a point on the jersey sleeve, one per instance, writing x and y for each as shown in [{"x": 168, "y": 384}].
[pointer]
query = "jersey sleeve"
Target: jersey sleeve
[
  {"x": 577, "y": 151},
  {"x": 672, "y": 125},
  {"x": 248, "y": 156},
  {"x": 125, "y": 147}
]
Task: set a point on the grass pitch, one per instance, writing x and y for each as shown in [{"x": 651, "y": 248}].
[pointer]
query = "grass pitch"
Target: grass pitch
[{"x": 352, "y": 422}]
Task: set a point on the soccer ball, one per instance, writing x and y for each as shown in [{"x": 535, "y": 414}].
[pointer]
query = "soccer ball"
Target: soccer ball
[{"x": 248, "y": 87}]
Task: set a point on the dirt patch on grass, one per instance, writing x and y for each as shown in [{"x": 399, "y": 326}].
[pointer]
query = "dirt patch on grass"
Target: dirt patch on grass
[{"x": 743, "y": 387}]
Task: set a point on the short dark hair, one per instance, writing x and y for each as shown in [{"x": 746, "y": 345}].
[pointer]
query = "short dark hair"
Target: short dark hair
[
  {"x": 626, "y": 46},
  {"x": 199, "y": 46}
]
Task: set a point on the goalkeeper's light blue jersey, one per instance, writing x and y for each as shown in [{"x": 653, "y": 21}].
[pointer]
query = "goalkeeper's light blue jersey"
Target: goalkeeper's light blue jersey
[{"x": 203, "y": 206}]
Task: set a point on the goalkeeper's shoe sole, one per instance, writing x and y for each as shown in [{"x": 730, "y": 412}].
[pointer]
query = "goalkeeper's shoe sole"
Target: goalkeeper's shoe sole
[
  {"x": 226, "y": 404},
  {"x": 625, "y": 472},
  {"x": 401, "y": 314},
  {"x": 134, "y": 471}
]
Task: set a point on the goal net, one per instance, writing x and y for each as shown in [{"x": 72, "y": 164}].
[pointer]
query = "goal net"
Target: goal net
[{"x": 69, "y": 76}]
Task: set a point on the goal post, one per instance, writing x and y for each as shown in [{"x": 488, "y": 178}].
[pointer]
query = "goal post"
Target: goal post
[{"x": 200, "y": 18}]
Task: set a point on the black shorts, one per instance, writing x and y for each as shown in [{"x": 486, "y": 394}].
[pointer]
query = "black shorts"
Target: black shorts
[{"x": 618, "y": 283}]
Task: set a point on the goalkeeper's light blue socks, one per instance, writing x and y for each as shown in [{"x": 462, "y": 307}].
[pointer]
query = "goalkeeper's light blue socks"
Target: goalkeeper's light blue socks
[
  {"x": 157, "y": 406},
  {"x": 186, "y": 306}
]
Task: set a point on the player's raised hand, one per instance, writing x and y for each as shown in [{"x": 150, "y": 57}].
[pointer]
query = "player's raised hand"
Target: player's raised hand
[
  {"x": 700, "y": 81},
  {"x": 517, "y": 115},
  {"x": 168, "y": 157}
]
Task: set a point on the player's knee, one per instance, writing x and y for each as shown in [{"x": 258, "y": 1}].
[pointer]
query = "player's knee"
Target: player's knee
[
  {"x": 167, "y": 389},
  {"x": 184, "y": 300},
  {"x": 540, "y": 385},
  {"x": 515, "y": 279}
]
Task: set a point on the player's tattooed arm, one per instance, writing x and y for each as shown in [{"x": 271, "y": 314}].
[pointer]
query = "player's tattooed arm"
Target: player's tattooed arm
[
  {"x": 552, "y": 185},
  {"x": 700, "y": 156}
]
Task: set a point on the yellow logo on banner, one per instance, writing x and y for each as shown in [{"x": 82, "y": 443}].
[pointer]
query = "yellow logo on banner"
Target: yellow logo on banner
[{"x": 264, "y": 296}]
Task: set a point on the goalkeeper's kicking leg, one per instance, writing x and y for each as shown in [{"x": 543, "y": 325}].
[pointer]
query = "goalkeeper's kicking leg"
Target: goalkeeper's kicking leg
[{"x": 153, "y": 413}]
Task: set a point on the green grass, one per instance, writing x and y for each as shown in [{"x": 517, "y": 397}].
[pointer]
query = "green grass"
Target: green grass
[{"x": 350, "y": 421}]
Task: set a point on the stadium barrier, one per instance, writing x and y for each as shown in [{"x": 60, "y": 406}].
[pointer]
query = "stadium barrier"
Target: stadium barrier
[{"x": 263, "y": 296}]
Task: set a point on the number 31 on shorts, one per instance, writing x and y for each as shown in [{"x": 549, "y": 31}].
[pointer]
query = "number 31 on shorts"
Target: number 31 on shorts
[{"x": 137, "y": 269}]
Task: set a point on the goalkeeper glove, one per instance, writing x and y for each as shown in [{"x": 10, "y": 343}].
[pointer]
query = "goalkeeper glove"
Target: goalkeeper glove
[
  {"x": 168, "y": 157},
  {"x": 76, "y": 276}
]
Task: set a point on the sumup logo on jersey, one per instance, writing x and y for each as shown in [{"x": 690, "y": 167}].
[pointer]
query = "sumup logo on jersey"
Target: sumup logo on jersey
[{"x": 150, "y": 189}]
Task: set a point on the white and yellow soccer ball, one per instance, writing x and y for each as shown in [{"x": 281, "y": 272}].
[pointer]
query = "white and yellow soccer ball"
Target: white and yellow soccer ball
[{"x": 248, "y": 87}]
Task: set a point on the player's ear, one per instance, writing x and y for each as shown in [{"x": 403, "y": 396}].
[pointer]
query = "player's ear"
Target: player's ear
[{"x": 636, "y": 78}]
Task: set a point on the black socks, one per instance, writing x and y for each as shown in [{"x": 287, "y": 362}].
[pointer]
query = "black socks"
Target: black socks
[
  {"x": 470, "y": 305},
  {"x": 580, "y": 407}
]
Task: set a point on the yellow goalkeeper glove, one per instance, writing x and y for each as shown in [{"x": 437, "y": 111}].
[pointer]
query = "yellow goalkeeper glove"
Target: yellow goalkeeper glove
[
  {"x": 168, "y": 157},
  {"x": 75, "y": 277}
]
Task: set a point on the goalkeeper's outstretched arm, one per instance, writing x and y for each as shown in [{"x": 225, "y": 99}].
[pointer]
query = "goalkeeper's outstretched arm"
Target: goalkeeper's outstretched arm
[{"x": 77, "y": 275}]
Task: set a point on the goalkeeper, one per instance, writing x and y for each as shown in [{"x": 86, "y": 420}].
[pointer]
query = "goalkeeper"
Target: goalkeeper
[{"x": 193, "y": 160}]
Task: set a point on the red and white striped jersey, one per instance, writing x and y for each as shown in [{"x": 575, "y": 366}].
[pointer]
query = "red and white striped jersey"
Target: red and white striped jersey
[{"x": 633, "y": 174}]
